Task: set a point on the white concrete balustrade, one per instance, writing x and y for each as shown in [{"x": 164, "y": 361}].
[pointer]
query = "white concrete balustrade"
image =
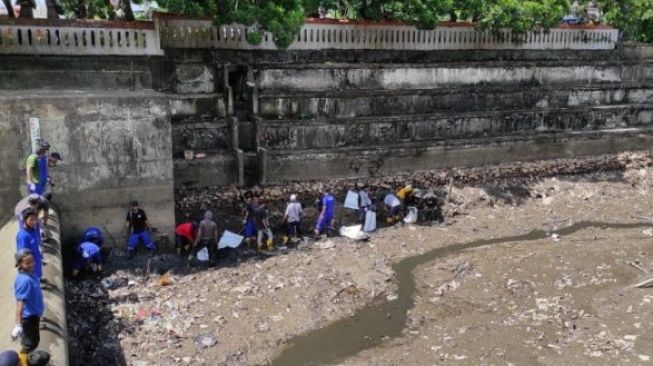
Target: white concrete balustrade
[
  {"x": 150, "y": 38},
  {"x": 183, "y": 33},
  {"x": 79, "y": 38}
]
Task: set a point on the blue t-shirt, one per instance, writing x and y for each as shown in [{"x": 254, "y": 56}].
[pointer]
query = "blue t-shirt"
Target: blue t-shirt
[
  {"x": 92, "y": 233},
  {"x": 28, "y": 290},
  {"x": 89, "y": 252},
  {"x": 329, "y": 204},
  {"x": 43, "y": 174},
  {"x": 31, "y": 239}
]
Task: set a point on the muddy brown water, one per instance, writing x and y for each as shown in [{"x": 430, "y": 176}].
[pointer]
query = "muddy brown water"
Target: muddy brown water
[{"x": 386, "y": 319}]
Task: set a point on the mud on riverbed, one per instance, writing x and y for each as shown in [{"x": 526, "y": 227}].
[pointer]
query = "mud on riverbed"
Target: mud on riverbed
[{"x": 558, "y": 300}]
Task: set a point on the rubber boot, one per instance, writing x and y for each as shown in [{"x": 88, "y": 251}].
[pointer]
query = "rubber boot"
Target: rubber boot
[
  {"x": 23, "y": 359},
  {"x": 285, "y": 240},
  {"x": 270, "y": 245},
  {"x": 259, "y": 247}
]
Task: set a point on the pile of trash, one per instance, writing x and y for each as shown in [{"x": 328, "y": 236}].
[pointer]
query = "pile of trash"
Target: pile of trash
[
  {"x": 89, "y": 320},
  {"x": 191, "y": 202},
  {"x": 181, "y": 315}
]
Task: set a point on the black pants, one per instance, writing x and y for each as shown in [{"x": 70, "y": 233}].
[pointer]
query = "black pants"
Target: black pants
[
  {"x": 210, "y": 244},
  {"x": 294, "y": 229},
  {"x": 31, "y": 336},
  {"x": 181, "y": 242}
]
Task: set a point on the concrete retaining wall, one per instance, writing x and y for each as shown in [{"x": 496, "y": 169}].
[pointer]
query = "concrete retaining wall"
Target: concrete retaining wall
[
  {"x": 320, "y": 121},
  {"x": 116, "y": 147},
  {"x": 54, "y": 336}
]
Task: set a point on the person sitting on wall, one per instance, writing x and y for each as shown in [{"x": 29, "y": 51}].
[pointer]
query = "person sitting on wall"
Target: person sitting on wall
[
  {"x": 88, "y": 258},
  {"x": 29, "y": 304},
  {"x": 327, "y": 213},
  {"x": 94, "y": 235},
  {"x": 28, "y": 237},
  {"x": 392, "y": 207},
  {"x": 138, "y": 230},
  {"x": 185, "y": 234},
  {"x": 35, "y": 181}
]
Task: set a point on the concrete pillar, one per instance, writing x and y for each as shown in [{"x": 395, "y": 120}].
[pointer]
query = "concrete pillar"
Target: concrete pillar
[
  {"x": 240, "y": 165},
  {"x": 262, "y": 155},
  {"x": 235, "y": 142}
]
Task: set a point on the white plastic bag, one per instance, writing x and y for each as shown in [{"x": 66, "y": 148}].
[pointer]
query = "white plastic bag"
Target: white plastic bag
[
  {"x": 229, "y": 239},
  {"x": 353, "y": 232},
  {"x": 411, "y": 218},
  {"x": 370, "y": 221},
  {"x": 351, "y": 201},
  {"x": 203, "y": 255}
]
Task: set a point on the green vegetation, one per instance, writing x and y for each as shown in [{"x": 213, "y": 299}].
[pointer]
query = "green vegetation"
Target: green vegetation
[
  {"x": 283, "y": 18},
  {"x": 633, "y": 17}
]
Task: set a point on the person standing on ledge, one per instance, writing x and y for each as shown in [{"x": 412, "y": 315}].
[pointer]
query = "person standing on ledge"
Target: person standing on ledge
[
  {"x": 35, "y": 182},
  {"x": 138, "y": 230},
  {"x": 29, "y": 305},
  {"x": 29, "y": 237},
  {"x": 39, "y": 203}
]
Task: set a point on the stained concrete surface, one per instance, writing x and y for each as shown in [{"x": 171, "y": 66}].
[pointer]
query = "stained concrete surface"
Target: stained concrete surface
[
  {"x": 54, "y": 331},
  {"x": 116, "y": 146}
]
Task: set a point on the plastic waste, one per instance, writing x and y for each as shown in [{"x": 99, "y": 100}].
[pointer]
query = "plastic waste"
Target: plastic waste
[
  {"x": 370, "y": 222},
  {"x": 411, "y": 217},
  {"x": 205, "y": 340},
  {"x": 203, "y": 255}
]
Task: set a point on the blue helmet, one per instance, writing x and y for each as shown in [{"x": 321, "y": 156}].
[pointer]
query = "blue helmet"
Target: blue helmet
[{"x": 94, "y": 235}]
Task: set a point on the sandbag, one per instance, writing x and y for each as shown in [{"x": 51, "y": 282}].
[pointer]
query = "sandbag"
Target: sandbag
[
  {"x": 353, "y": 232},
  {"x": 203, "y": 255},
  {"x": 230, "y": 240},
  {"x": 351, "y": 201},
  {"x": 370, "y": 221},
  {"x": 411, "y": 217}
]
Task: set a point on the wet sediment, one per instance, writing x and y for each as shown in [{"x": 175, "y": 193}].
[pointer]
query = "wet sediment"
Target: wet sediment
[{"x": 382, "y": 320}]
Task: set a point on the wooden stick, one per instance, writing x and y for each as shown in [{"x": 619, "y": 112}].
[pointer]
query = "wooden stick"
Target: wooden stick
[
  {"x": 446, "y": 201},
  {"x": 147, "y": 271},
  {"x": 633, "y": 264}
]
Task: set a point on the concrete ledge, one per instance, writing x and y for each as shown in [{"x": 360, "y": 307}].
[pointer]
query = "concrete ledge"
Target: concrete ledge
[
  {"x": 356, "y": 76},
  {"x": 107, "y": 207},
  {"x": 213, "y": 171},
  {"x": 283, "y": 166},
  {"x": 54, "y": 337},
  {"x": 368, "y": 103},
  {"x": 424, "y": 130}
]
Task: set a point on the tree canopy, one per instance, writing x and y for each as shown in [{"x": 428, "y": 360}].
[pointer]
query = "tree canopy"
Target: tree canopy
[{"x": 633, "y": 17}]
